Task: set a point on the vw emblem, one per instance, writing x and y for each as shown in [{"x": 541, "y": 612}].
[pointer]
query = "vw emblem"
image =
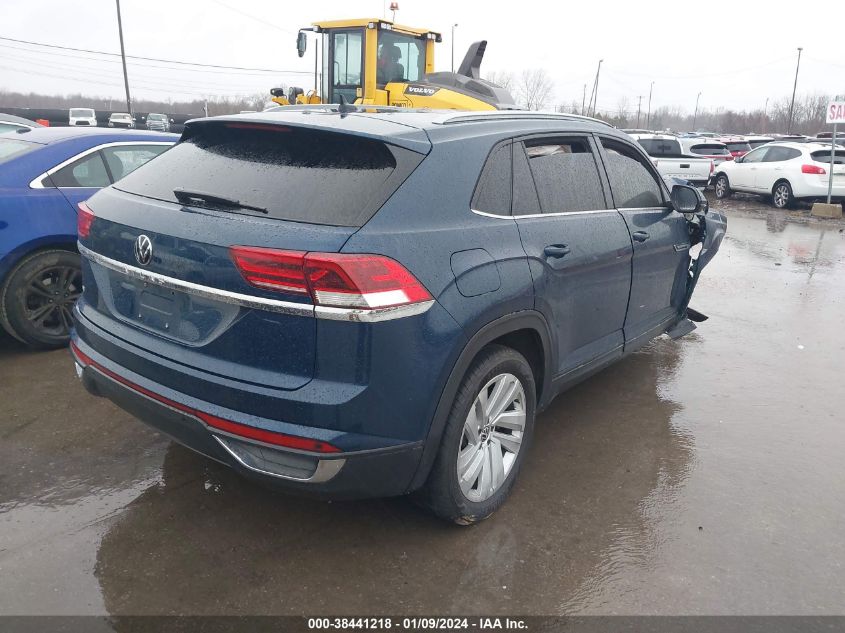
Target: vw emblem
[{"x": 143, "y": 250}]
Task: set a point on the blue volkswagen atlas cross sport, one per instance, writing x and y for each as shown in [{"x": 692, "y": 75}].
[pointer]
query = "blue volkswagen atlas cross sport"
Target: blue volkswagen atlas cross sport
[{"x": 375, "y": 303}]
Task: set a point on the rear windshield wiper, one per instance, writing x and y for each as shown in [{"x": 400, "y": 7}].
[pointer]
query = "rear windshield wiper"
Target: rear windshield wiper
[{"x": 184, "y": 196}]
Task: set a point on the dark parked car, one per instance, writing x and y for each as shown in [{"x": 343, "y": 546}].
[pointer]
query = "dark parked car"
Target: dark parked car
[
  {"x": 370, "y": 304},
  {"x": 44, "y": 173}
]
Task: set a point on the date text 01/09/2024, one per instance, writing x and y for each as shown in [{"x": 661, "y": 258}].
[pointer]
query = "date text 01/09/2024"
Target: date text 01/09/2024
[{"x": 416, "y": 623}]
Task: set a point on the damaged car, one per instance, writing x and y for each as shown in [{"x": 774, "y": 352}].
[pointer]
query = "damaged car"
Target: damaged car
[{"x": 357, "y": 302}]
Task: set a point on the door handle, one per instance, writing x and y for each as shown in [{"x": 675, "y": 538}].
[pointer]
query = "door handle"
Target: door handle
[
  {"x": 556, "y": 250},
  {"x": 640, "y": 236}
]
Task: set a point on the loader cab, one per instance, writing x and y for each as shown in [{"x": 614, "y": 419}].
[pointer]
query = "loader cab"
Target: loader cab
[{"x": 360, "y": 57}]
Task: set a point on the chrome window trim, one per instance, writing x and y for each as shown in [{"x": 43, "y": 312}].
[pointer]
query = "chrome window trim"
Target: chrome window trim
[
  {"x": 326, "y": 468},
  {"x": 35, "y": 183},
  {"x": 541, "y": 215},
  {"x": 258, "y": 303}
]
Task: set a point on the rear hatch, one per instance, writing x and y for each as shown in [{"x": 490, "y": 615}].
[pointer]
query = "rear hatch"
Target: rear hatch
[
  {"x": 821, "y": 158},
  {"x": 231, "y": 183}
]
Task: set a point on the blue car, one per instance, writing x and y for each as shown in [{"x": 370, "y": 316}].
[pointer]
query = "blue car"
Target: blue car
[
  {"x": 371, "y": 303},
  {"x": 44, "y": 174}
]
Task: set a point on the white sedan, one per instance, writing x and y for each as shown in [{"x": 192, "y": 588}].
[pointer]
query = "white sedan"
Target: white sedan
[{"x": 786, "y": 172}]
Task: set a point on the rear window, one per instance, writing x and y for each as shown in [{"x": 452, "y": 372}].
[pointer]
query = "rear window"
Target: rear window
[
  {"x": 710, "y": 150},
  {"x": 661, "y": 147},
  {"x": 823, "y": 156},
  {"x": 739, "y": 147},
  {"x": 294, "y": 174},
  {"x": 156, "y": 117},
  {"x": 754, "y": 144},
  {"x": 81, "y": 112},
  {"x": 9, "y": 148}
]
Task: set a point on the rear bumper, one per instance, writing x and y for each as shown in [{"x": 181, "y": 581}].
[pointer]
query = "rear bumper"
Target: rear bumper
[{"x": 380, "y": 472}]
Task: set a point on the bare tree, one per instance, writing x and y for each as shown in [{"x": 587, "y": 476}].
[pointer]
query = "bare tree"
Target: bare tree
[
  {"x": 501, "y": 78},
  {"x": 534, "y": 88}
]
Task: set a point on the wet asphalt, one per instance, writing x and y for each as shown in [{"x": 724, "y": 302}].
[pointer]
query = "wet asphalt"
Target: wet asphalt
[{"x": 698, "y": 476}]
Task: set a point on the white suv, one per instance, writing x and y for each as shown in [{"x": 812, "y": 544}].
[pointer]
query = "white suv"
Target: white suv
[
  {"x": 82, "y": 116},
  {"x": 785, "y": 171}
]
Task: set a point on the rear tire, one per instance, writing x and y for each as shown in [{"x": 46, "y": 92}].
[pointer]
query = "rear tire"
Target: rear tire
[
  {"x": 722, "y": 187},
  {"x": 782, "y": 197},
  {"x": 486, "y": 438},
  {"x": 38, "y": 296}
]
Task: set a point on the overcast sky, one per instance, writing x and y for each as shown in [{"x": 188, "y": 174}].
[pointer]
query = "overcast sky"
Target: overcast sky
[{"x": 735, "y": 52}]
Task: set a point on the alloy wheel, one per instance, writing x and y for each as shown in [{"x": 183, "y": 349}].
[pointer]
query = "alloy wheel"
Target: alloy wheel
[
  {"x": 491, "y": 437},
  {"x": 721, "y": 188},
  {"x": 781, "y": 197},
  {"x": 49, "y": 298}
]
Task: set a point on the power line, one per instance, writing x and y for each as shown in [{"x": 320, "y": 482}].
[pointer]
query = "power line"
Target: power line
[
  {"x": 154, "y": 59},
  {"x": 253, "y": 17},
  {"x": 140, "y": 64}
]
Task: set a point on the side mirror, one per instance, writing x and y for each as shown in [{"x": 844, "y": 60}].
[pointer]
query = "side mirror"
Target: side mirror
[
  {"x": 301, "y": 43},
  {"x": 688, "y": 200}
]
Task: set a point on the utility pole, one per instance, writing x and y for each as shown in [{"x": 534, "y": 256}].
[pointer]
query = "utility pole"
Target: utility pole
[
  {"x": 596, "y": 98},
  {"x": 594, "y": 94},
  {"x": 794, "y": 86},
  {"x": 648, "y": 116},
  {"x": 765, "y": 114},
  {"x": 639, "y": 108},
  {"x": 584, "y": 100},
  {"x": 695, "y": 116},
  {"x": 123, "y": 59},
  {"x": 453, "y": 47}
]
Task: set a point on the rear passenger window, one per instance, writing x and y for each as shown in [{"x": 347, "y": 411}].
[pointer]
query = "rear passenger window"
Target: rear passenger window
[
  {"x": 777, "y": 154},
  {"x": 493, "y": 192},
  {"x": 632, "y": 182},
  {"x": 89, "y": 171},
  {"x": 565, "y": 174}
]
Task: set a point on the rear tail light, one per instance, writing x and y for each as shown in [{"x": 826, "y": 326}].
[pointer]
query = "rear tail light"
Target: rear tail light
[
  {"x": 812, "y": 169},
  {"x": 235, "y": 428},
  {"x": 731, "y": 157},
  {"x": 84, "y": 219},
  {"x": 338, "y": 280},
  {"x": 712, "y": 167}
]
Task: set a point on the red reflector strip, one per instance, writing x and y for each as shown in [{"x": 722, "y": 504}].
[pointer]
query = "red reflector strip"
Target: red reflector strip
[{"x": 235, "y": 428}]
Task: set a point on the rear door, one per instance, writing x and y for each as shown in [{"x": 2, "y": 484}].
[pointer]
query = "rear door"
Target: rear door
[
  {"x": 771, "y": 168},
  {"x": 578, "y": 248},
  {"x": 660, "y": 240}
]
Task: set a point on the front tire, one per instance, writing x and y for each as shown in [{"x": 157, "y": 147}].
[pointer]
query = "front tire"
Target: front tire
[
  {"x": 722, "y": 187},
  {"x": 782, "y": 197},
  {"x": 37, "y": 298},
  {"x": 486, "y": 438}
]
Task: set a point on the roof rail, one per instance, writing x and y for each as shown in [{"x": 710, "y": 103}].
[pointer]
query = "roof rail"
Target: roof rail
[{"x": 516, "y": 115}]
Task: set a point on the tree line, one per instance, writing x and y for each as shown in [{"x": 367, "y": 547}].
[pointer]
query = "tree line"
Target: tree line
[{"x": 532, "y": 89}]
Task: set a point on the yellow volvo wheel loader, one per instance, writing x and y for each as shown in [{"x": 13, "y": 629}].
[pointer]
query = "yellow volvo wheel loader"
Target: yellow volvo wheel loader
[{"x": 377, "y": 62}]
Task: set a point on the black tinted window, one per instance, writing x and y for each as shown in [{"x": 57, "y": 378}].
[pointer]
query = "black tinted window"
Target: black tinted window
[
  {"x": 710, "y": 150},
  {"x": 824, "y": 156},
  {"x": 631, "y": 181},
  {"x": 565, "y": 174},
  {"x": 661, "y": 147},
  {"x": 295, "y": 174},
  {"x": 777, "y": 154},
  {"x": 493, "y": 192},
  {"x": 89, "y": 171},
  {"x": 739, "y": 147},
  {"x": 525, "y": 201}
]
